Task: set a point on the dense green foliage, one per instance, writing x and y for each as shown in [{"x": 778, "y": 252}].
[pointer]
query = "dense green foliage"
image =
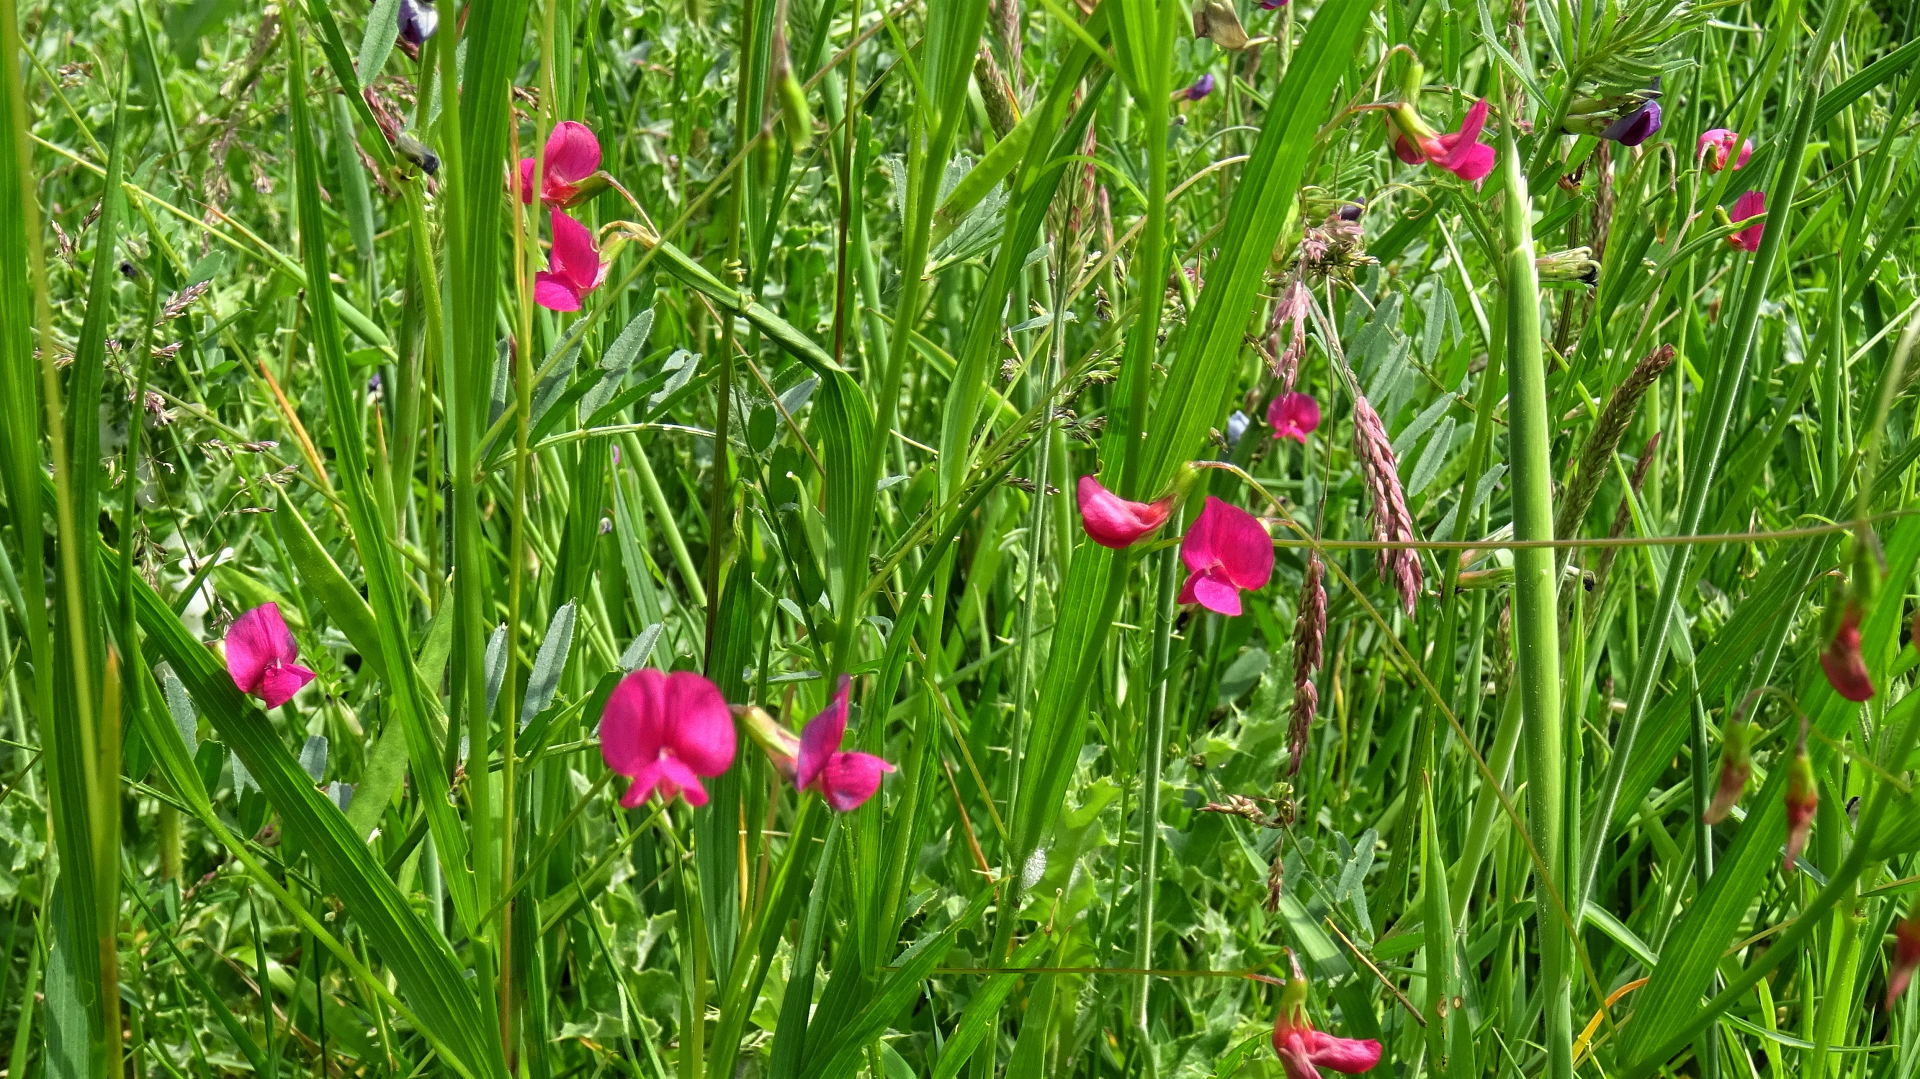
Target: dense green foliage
[{"x": 1609, "y": 491}]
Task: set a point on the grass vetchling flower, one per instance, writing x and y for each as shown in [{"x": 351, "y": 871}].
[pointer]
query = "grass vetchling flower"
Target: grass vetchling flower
[
  {"x": 1112, "y": 521},
  {"x": 260, "y": 656},
  {"x": 846, "y": 779},
  {"x": 1803, "y": 798},
  {"x": 1293, "y": 415},
  {"x": 570, "y": 160},
  {"x": 573, "y": 267},
  {"x": 1303, "y": 1051},
  {"x": 666, "y": 731},
  {"x": 1845, "y": 668},
  {"x": 1227, "y": 550},
  {"x": 1716, "y": 147},
  {"x": 1749, "y": 206}
]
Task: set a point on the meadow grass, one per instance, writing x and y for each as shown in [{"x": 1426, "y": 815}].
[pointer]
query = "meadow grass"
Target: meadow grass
[{"x": 804, "y": 539}]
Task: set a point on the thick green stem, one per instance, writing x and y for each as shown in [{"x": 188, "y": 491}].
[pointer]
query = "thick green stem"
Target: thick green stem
[{"x": 1536, "y": 628}]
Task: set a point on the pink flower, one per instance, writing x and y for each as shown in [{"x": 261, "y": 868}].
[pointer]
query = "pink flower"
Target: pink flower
[
  {"x": 1459, "y": 152},
  {"x": 260, "y": 656},
  {"x": 666, "y": 731},
  {"x": 1226, "y": 550},
  {"x": 1845, "y": 669},
  {"x": 845, "y": 779},
  {"x": 1303, "y": 1050},
  {"x": 1716, "y": 146},
  {"x": 572, "y": 155},
  {"x": 1906, "y": 956},
  {"x": 573, "y": 267},
  {"x": 1293, "y": 415},
  {"x": 1112, "y": 521},
  {"x": 1750, "y": 204}
]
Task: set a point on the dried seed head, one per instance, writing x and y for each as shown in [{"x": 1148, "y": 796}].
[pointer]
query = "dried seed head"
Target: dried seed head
[
  {"x": 1309, "y": 633},
  {"x": 1391, "y": 521}
]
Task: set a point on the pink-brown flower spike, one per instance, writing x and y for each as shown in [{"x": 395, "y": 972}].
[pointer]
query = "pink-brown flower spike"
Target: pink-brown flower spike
[
  {"x": 1716, "y": 148},
  {"x": 1293, "y": 415},
  {"x": 1906, "y": 956},
  {"x": 260, "y": 656},
  {"x": 1751, "y": 205},
  {"x": 571, "y": 159},
  {"x": 1803, "y": 797},
  {"x": 1459, "y": 152},
  {"x": 666, "y": 731},
  {"x": 845, "y": 779},
  {"x": 1303, "y": 1050},
  {"x": 1845, "y": 668},
  {"x": 1226, "y": 550},
  {"x": 1112, "y": 521},
  {"x": 573, "y": 267}
]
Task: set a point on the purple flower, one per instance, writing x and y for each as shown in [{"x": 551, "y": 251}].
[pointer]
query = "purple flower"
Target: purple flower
[
  {"x": 1635, "y": 127},
  {"x": 418, "y": 21},
  {"x": 1201, "y": 87},
  {"x": 845, "y": 779}
]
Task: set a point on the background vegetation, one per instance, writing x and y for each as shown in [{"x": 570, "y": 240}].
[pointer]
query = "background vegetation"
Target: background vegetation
[{"x": 883, "y": 283}]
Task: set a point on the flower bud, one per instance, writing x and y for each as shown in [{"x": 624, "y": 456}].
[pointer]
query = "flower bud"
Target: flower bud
[{"x": 1803, "y": 797}]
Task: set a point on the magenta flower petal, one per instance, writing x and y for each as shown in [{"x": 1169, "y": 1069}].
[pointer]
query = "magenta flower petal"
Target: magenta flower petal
[
  {"x": 849, "y": 779},
  {"x": 260, "y": 656},
  {"x": 1226, "y": 550},
  {"x": 574, "y": 255},
  {"x": 1750, "y": 204},
  {"x": 1348, "y": 1055},
  {"x": 572, "y": 153},
  {"x": 1293, "y": 415},
  {"x": 281, "y": 682},
  {"x": 1112, "y": 521},
  {"x": 526, "y": 180},
  {"x": 553, "y": 293},
  {"x": 666, "y": 730},
  {"x": 845, "y": 779},
  {"x": 1461, "y": 152},
  {"x": 820, "y": 739},
  {"x": 1216, "y": 595}
]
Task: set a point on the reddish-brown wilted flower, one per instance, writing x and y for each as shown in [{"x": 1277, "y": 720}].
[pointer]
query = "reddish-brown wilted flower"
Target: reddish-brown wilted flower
[
  {"x": 1846, "y": 670},
  {"x": 1735, "y": 767},
  {"x": 1803, "y": 797},
  {"x": 1906, "y": 956},
  {"x": 1303, "y": 1050},
  {"x": 1392, "y": 523},
  {"x": 1226, "y": 550},
  {"x": 1115, "y": 522},
  {"x": 1309, "y": 632},
  {"x": 1750, "y": 205}
]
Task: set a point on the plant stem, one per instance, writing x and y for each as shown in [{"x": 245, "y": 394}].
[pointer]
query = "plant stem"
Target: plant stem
[{"x": 1536, "y": 628}]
